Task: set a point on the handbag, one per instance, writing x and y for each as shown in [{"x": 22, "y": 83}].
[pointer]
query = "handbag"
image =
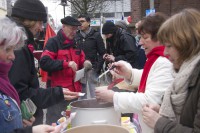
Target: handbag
[{"x": 28, "y": 109}]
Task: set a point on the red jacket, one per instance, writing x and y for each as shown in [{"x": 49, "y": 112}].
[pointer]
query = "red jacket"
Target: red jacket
[{"x": 58, "y": 52}]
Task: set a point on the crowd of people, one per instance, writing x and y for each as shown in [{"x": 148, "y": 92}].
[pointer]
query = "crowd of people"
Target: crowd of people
[{"x": 161, "y": 61}]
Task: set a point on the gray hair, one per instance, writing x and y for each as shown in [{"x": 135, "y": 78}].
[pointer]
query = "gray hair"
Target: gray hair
[{"x": 11, "y": 34}]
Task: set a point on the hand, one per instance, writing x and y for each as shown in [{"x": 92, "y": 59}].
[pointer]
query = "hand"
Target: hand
[
  {"x": 105, "y": 55},
  {"x": 28, "y": 122},
  {"x": 109, "y": 58},
  {"x": 69, "y": 95},
  {"x": 123, "y": 68},
  {"x": 150, "y": 117},
  {"x": 114, "y": 74},
  {"x": 45, "y": 129},
  {"x": 73, "y": 65},
  {"x": 155, "y": 107},
  {"x": 87, "y": 65},
  {"x": 105, "y": 95}
]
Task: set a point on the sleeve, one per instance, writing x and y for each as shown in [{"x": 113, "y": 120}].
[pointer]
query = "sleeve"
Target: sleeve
[
  {"x": 48, "y": 61},
  {"x": 23, "y": 130},
  {"x": 164, "y": 125},
  {"x": 44, "y": 98},
  {"x": 157, "y": 83},
  {"x": 101, "y": 51},
  {"x": 130, "y": 52}
]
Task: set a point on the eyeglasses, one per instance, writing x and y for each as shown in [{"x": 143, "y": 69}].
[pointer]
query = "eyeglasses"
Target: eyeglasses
[{"x": 82, "y": 21}]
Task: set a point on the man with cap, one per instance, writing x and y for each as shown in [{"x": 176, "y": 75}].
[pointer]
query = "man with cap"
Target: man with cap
[
  {"x": 61, "y": 59},
  {"x": 120, "y": 45},
  {"x": 31, "y": 14}
]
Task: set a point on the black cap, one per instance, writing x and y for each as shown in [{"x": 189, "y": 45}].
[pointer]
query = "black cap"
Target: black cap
[
  {"x": 70, "y": 21},
  {"x": 29, "y": 9},
  {"x": 109, "y": 28}
]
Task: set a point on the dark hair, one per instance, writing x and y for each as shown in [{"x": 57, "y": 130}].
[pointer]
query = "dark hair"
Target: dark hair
[
  {"x": 151, "y": 24},
  {"x": 87, "y": 18}
]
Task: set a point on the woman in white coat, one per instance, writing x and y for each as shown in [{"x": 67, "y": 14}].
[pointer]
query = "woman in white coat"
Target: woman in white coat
[{"x": 152, "y": 81}]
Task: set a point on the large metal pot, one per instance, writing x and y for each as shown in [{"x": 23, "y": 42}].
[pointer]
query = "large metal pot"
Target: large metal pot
[
  {"x": 98, "y": 129},
  {"x": 90, "y": 111}
]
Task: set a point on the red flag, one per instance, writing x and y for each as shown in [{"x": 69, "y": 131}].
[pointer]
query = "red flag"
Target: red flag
[{"x": 49, "y": 33}]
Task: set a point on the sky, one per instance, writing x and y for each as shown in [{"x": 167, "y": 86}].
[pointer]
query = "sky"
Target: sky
[{"x": 56, "y": 10}]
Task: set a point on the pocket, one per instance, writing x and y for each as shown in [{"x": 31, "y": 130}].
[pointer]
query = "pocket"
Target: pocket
[
  {"x": 63, "y": 55},
  {"x": 10, "y": 119}
]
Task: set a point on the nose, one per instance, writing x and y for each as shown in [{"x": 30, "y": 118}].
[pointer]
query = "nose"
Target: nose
[
  {"x": 11, "y": 56},
  {"x": 165, "y": 52},
  {"x": 141, "y": 42}
]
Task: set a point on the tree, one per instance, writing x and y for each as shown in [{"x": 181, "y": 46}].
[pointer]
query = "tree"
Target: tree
[{"x": 87, "y": 6}]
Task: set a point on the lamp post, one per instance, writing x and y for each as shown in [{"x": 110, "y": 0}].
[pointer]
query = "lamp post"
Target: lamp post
[{"x": 64, "y": 3}]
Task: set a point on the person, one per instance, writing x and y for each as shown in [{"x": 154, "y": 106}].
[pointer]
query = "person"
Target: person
[
  {"x": 120, "y": 45},
  {"x": 30, "y": 14},
  {"x": 93, "y": 46},
  {"x": 12, "y": 38},
  {"x": 61, "y": 59},
  {"x": 179, "y": 111},
  {"x": 152, "y": 81},
  {"x": 123, "y": 25},
  {"x": 141, "y": 54}
]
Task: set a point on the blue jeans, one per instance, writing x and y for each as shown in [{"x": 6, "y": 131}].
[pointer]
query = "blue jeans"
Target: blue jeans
[{"x": 10, "y": 115}]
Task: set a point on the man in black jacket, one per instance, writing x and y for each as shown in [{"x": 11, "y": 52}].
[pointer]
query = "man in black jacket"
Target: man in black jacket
[
  {"x": 93, "y": 46},
  {"x": 120, "y": 45},
  {"x": 31, "y": 14}
]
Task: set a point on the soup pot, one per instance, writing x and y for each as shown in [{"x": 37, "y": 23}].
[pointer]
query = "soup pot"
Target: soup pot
[
  {"x": 90, "y": 111},
  {"x": 102, "y": 128}
]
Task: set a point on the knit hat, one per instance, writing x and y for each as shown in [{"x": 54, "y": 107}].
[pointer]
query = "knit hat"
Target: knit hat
[
  {"x": 109, "y": 28},
  {"x": 29, "y": 9},
  {"x": 70, "y": 21},
  {"x": 122, "y": 24}
]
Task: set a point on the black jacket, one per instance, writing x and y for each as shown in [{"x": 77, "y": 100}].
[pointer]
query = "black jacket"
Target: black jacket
[
  {"x": 123, "y": 47},
  {"x": 93, "y": 47},
  {"x": 23, "y": 77}
]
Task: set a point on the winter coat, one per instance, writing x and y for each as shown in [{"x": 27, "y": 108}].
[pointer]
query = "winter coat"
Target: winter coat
[
  {"x": 93, "y": 47},
  {"x": 158, "y": 80},
  {"x": 190, "y": 116},
  {"x": 123, "y": 47},
  {"x": 55, "y": 58},
  {"x": 23, "y": 77}
]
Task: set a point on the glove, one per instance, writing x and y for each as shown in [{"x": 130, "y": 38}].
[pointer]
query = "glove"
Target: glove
[{"x": 87, "y": 65}]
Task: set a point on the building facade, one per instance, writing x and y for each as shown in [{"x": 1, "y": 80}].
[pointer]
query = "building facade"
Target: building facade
[
  {"x": 169, "y": 7},
  {"x": 3, "y": 8}
]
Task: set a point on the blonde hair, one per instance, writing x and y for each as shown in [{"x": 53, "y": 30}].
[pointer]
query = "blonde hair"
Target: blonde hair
[
  {"x": 11, "y": 34},
  {"x": 183, "y": 32}
]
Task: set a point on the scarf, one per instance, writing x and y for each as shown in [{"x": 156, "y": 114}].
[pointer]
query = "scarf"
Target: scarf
[
  {"x": 66, "y": 39},
  {"x": 176, "y": 94},
  {"x": 84, "y": 34},
  {"x": 5, "y": 85},
  {"x": 151, "y": 58}
]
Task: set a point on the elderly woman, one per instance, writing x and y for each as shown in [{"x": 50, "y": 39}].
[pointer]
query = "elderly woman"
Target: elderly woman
[
  {"x": 180, "y": 110},
  {"x": 12, "y": 37},
  {"x": 152, "y": 81}
]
